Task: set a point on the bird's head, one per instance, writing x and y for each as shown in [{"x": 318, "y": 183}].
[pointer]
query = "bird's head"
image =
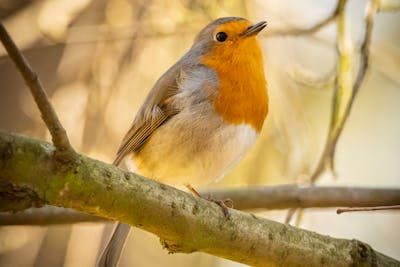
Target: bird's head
[{"x": 229, "y": 38}]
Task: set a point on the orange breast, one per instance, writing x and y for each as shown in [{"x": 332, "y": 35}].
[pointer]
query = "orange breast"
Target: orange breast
[{"x": 242, "y": 96}]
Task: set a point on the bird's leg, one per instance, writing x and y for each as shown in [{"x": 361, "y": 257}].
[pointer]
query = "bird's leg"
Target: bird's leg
[
  {"x": 192, "y": 190},
  {"x": 224, "y": 204}
]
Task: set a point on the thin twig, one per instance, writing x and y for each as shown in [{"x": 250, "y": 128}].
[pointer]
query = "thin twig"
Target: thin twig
[
  {"x": 58, "y": 133},
  {"x": 338, "y": 122},
  {"x": 308, "y": 80},
  {"x": 101, "y": 35},
  {"x": 298, "y": 31},
  {"x": 325, "y": 159},
  {"x": 338, "y": 14},
  {"x": 289, "y": 214},
  {"x": 342, "y": 210}
]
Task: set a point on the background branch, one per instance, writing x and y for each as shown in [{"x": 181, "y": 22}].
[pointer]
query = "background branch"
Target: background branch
[
  {"x": 289, "y": 196},
  {"x": 95, "y": 34},
  {"x": 58, "y": 133},
  {"x": 47, "y": 215},
  {"x": 185, "y": 223},
  {"x": 95, "y": 38},
  {"x": 271, "y": 197},
  {"x": 303, "y": 31},
  {"x": 345, "y": 93},
  {"x": 394, "y": 207}
]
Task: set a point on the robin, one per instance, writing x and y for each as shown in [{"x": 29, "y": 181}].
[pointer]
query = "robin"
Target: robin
[{"x": 201, "y": 116}]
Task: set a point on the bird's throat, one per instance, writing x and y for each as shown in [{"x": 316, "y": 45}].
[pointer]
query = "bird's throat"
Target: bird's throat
[{"x": 242, "y": 96}]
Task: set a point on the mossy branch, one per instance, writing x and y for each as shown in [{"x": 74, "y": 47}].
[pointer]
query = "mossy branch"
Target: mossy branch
[
  {"x": 183, "y": 222},
  {"x": 248, "y": 198}
]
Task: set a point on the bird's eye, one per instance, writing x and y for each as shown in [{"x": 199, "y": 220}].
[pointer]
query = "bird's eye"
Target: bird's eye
[{"x": 221, "y": 36}]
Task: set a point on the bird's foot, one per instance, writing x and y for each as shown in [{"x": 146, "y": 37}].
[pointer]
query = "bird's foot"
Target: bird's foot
[{"x": 224, "y": 204}]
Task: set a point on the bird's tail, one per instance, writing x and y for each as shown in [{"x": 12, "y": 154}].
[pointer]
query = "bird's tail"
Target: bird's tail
[{"x": 111, "y": 253}]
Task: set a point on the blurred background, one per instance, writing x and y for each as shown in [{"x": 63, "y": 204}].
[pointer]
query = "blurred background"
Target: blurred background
[{"x": 99, "y": 58}]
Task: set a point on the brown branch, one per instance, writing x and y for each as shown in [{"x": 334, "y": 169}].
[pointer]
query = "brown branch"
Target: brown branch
[
  {"x": 58, "y": 133},
  {"x": 185, "y": 223},
  {"x": 251, "y": 198},
  {"x": 289, "y": 196},
  {"x": 47, "y": 215},
  {"x": 342, "y": 210}
]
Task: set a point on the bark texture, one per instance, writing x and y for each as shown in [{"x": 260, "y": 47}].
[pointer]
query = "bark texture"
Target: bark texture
[{"x": 30, "y": 174}]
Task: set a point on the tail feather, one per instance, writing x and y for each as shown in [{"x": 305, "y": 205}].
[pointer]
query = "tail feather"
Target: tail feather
[{"x": 112, "y": 252}]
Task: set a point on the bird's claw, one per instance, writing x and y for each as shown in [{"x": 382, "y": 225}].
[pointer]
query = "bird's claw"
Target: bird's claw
[{"x": 224, "y": 204}]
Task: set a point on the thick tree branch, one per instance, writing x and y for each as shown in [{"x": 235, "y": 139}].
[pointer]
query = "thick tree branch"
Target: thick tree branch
[
  {"x": 271, "y": 197},
  {"x": 184, "y": 223},
  {"x": 58, "y": 133}
]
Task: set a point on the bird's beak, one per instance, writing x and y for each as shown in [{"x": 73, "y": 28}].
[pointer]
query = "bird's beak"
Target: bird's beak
[{"x": 254, "y": 29}]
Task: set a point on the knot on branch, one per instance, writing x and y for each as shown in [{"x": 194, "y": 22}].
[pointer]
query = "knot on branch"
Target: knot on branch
[
  {"x": 175, "y": 248},
  {"x": 6, "y": 152},
  {"x": 362, "y": 254},
  {"x": 65, "y": 158},
  {"x": 15, "y": 198}
]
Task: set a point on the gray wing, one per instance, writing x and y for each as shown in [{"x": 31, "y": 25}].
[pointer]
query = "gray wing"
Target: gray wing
[{"x": 154, "y": 112}]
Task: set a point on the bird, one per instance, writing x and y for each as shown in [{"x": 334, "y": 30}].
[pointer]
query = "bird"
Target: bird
[{"x": 202, "y": 115}]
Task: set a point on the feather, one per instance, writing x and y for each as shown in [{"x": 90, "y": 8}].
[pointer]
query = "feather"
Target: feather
[{"x": 155, "y": 111}]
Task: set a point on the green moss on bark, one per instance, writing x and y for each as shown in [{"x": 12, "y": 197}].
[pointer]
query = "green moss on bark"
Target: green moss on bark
[{"x": 31, "y": 176}]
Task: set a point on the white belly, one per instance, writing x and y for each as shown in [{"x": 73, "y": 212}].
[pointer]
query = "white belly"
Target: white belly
[{"x": 198, "y": 155}]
